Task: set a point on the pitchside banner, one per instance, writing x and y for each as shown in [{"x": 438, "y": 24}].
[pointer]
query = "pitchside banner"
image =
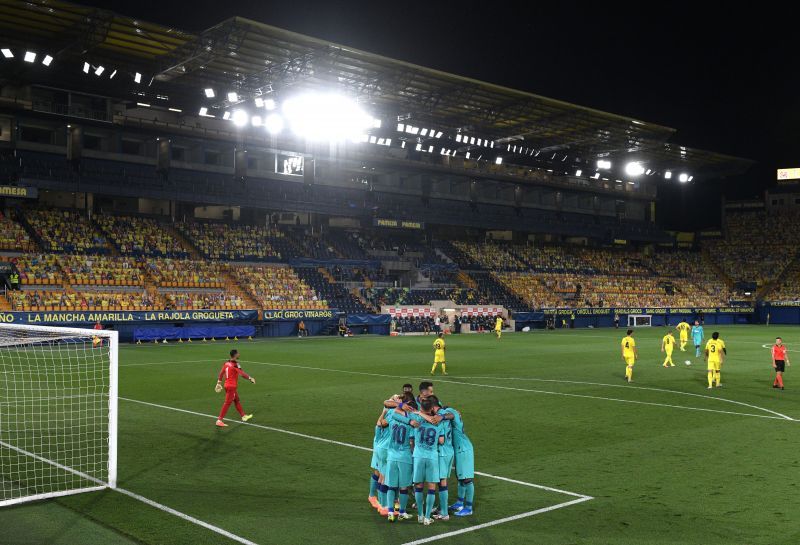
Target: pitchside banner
[
  {"x": 121, "y": 317},
  {"x": 326, "y": 314},
  {"x": 17, "y": 192},
  {"x": 651, "y": 311}
]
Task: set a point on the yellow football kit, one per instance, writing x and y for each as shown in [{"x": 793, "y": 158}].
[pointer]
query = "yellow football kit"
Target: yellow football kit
[
  {"x": 629, "y": 355},
  {"x": 668, "y": 343},
  {"x": 438, "y": 356},
  {"x": 715, "y": 350}
]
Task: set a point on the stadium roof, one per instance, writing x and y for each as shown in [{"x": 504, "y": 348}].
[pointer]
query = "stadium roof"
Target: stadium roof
[{"x": 256, "y": 59}]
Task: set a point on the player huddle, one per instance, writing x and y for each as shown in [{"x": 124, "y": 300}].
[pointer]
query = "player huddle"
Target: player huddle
[{"x": 417, "y": 442}]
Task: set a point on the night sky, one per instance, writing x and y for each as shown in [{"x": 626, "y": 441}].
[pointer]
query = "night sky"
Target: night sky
[{"x": 727, "y": 82}]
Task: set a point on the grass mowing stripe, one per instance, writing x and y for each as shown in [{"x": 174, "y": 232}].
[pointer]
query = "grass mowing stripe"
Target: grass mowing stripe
[
  {"x": 584, "y": 396},
  {"x": 777, "y": 415},
  {"x": 499, "y": 521},
  {"x": 341, "y": 443},
  {"x": 135, "y": 496}
]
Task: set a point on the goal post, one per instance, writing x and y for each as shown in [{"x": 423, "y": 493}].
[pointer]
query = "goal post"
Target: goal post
[
  {"x": 640, "y": 320},
  {"x": 58, "y": 411}
]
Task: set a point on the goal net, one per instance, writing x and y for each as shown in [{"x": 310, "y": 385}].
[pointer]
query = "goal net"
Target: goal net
[
  {"x": 58, "y": 411},
  {"x": 639, "y": 320}
]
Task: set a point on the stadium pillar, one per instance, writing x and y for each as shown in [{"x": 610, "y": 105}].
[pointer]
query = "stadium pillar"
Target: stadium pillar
[
  {"x": 309, "y": 171},
  {"x": 163, "y": 154},
  {"x": 240, "y": 164},
  {"x": 74, "y": 143}
]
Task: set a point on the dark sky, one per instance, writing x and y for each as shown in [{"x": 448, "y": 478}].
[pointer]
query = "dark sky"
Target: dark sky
[{"x": 728, "y": 80}]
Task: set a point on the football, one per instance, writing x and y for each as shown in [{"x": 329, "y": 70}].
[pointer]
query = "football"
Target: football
[{"x": 687, "y": 362}]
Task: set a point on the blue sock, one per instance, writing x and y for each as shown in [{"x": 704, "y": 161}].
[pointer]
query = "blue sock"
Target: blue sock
[
  {"x": 460, "y": 491},
  {"x": 469, "y": 494},
  {"x": 403, "y": 501},
  {"x": 373, "y": 485},
  {"x": 443, "y": 499},
  {"x": 382, "y": 495},
  {"x": 390, "y": 496},
  {"x": 429, "y": 503},
  {"x": 419, "y": 497}
]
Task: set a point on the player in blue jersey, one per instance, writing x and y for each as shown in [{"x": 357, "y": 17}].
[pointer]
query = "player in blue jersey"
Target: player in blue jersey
[
  {"x": 465, "y": 463},
  {"x": 697, "y": 337},
  {"x": 446, "y": 455},
  {"x": 427, "y": 438},
  {"x": 378, "y": 462},
  {"x": 399, "y": 462}
]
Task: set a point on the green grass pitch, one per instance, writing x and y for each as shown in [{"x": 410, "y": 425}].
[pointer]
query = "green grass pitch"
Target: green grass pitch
[{"x": 664, "y": 459}]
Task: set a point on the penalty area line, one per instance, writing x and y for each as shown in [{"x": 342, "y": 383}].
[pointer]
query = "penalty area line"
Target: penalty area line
[
  {"x": 500, "y": 521},
  {"x": 135, "y": 496}
]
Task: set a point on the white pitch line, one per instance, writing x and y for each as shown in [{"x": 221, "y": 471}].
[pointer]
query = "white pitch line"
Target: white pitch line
[
  {"x": 629, "y": 387},
  {"x": 135, "y": 496},
  {"x": 778, "y": 416},
  {"x": 499, "y": 521},
  {"x": 547, "y": 392},
  {"x": 343, "y": 444}
]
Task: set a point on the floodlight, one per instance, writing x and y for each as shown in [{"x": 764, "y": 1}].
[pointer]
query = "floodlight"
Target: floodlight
[
  {"x": 458, "y": 138},
  {"x": 466, "y": 155},
  {"x": 602, "y": 164},
  {"x": 373, "y": 139},
  {"x": 471, "y": 139},
  {"x": 99, "y": 70},
  {"x": 401, "y": 127},
  {"x": 143, "y": 104},
  {"x": 683, "y": 178},
  {"x": 419, "y": 147},
  {"x": 233, "y": 96},
  {"x": 47, "y": 60},
  {"x": 423, "y": 132},
  {"x": 596, "y": 175},
  {"x": 210, "y": 93},
  {"x": 668, "y": 175},
  {"x": 439, "y": 134},
  {"x": 240, "y": 118},
  {"x": 326, "y": 117},
  {"x": 388, "y": 141},
  {"x": 498, "y": 161},
  {"x": 578, "y": 172},
  {"x": 203, "y": 111},
  {"x": 177, "y": 110},
  {"x": 691, "y": 178},
  {"x": 226, "y": 116},
  {"x": 269, "y": 104},
  {"x": 256, "y": 121},
  {"x": 430, "y": 149},
  {"x": 137, "y": 77},
  {"x": 30, "y": 56},
  {"x": 634, "y": 168},
  {"x": 86, "y": 68},
  {"x": 376, "y": 123},
  {"x": 7, "y": 53},
  {"x": 111, "y": 76},
  {"x": 273, "y": 123}
]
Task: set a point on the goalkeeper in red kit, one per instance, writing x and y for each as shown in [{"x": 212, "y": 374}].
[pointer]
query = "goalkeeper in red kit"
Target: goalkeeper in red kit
[{"x": 231, "y": 371}]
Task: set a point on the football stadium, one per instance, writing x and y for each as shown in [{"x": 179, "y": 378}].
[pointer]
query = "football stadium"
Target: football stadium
[{"x": 260, "y": 287}]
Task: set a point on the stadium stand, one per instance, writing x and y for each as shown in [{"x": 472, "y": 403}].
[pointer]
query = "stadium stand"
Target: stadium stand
[
  {"x": 186, "y": 273},
  {"x": 232, "y": 242},
  {"x": 13, "y": 236},
  {"x": 275, "y": 287},
  {"x": 140, "y": 237},
  {"x": 65, "y": 231},
  {"x": 100, "y": 270}
]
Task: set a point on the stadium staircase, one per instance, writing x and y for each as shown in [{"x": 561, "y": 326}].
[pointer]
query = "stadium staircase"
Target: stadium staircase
[
  {"x": 232, "y": 286},
  {"x": 190, "y": 248},
  {"x": 775, "y": 283},
  {"x": 729, "y": 283},
  {"x": 466, "y": 281}
]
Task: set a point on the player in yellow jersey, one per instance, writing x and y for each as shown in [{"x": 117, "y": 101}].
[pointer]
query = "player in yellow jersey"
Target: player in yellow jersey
[
  {"x": 683, "y": 328},
  {"x": 438, "y": 354},
  {"x": 629, "y": 354},
  {"x": 668, "y": 345},
  {"x": 498, "y": 327},
  {"x": 715, "y": 356}
]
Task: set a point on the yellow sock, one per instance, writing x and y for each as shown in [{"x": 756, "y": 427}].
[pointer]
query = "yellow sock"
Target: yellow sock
[
  {"x": 666, "y": 360},
  {"x": 433, "y": 369},
  {"x": 444, "y": 368},
  {"x": 710, "y": 379},
  {"x": 628, "y": 373},
  {"x": 719, "y": 377}
]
